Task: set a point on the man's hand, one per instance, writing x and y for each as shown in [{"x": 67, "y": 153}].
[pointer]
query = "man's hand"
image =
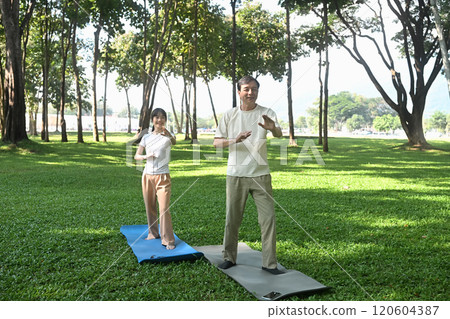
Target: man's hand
[
  {"x": 242, "y": 136},
  {"x": 222, "y": 142},
  {"x": 269, "y": 124}
]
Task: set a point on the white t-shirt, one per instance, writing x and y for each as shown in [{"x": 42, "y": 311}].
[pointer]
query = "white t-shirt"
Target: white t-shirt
[
  {"x": 247, "y": 158},
  {"x": 159, "y": 145}
]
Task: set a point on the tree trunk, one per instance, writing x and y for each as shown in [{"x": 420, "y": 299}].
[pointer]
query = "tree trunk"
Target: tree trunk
[
  {"x": 104, "y": 95},
  {"x": 2, "y": 90},
  {"x": 212, "y": 102},
  {"x": 194, "y": 72},
  {"x": 149, "y": 80},
  {"x": 77, "y": 80},
  {"x": 182, "y": 109},
  {"x": 289, "y": 77},
  {"x": 144, "y": 56},
  {"x": 14, "y": 125},
  {"x": 412, "y": 123},
  {"x": 414, "y": 131},
  {"x": 57, "y": 121},
  {"x": 64, "y": 53},
  {"x": 35, "y": 133},
  {"x": 128, "y": 111},
  {"x": 442, "y": 42},
  {"x": 32, "y": 121},
  {"x": 320, "y": 99},
  {"x": 233, "y": 52},
  {"x": 94, "y": 81},
  {"x": 177, "y": 123},
  {"x": 327, "y": 68},
  {"x": 188, "y": 115},
  {"x": 45, "y": 71}
]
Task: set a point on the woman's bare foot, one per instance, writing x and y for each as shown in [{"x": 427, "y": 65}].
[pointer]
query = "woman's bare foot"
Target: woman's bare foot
[{"x": 170, "y": 246}]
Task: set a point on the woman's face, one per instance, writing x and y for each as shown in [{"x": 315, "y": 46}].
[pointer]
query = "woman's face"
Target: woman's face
[{"x": 159, "y": 121}]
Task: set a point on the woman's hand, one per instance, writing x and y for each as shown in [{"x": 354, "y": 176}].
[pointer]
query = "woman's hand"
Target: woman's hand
[
  {"x": 165, "y": 132},
  {"x": 139, "y": 154},
  {"x": 147, "y": 156}
]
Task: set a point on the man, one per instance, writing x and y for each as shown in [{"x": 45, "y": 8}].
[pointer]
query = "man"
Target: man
[{"x": 248, "y": 171}]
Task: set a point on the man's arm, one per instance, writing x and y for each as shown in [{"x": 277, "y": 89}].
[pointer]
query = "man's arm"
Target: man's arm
[
  {"x": 220, "y": 142},
  {"x": 277, "y": 132}
]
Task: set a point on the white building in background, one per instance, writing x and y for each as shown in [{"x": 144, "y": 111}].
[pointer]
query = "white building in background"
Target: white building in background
[{"x": 113, "y": 123}]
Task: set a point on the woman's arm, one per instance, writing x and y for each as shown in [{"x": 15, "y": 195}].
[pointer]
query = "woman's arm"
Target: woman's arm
[
  {"x": 139, "y": 157},
  {"x": 173, "y": 139}
]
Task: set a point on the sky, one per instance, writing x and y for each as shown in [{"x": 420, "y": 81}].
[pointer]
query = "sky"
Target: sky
[{"x": 345, "y": 75}]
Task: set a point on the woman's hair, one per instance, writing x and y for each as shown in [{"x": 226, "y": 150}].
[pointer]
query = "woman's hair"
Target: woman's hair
[{"x": 156, "y": 112}]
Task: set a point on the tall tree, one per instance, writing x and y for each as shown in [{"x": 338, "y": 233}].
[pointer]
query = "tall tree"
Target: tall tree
[
  {"x": 2, "y": 74},
  {"x": 65, "y": 47},
  {"x": 208, "y": 28},
  {"x": 177, "y": 123},
  {"x": 320, "y": 99},
  {"x": 327, "y": 71},
  {"x": 442, "y": 40},
  {"x": 194, "y": 73},
  {"x": 313, "y": 38},
  {"x": 125, "y": 48},
  {"x": 287, "y": 5},
  {"x": 32, "y": 66},
  {"x": 76, "y": 72},
  {"x": 46, "y": 35},
  {"x": 261, "y": 42},
  {"x": 419, "y": 47},
  {"x": 162, "y": 32},
  {"x": 106, "y": 58},
  {"x": 106, "y": 14},
  {"x": 186, "y": 100},
  {"x": 212, "y": 27},
  {"x": 233, "y": 51},
  {"x": 14, "y": 127}
]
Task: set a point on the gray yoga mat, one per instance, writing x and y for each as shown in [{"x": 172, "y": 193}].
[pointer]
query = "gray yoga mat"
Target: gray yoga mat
[{"x": 260, "y": 283}]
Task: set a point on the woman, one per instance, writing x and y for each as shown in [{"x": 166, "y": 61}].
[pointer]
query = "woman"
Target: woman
[{"x": 156, "y": 183}]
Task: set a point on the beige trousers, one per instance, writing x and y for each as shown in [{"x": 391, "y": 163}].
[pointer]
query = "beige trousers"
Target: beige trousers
[
  {"x": 238, "y": 189},
  {"x": 158, "y": 187}
]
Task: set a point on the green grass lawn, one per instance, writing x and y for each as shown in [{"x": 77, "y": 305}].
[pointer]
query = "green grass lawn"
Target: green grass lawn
[{"x": 371, "y": 223}]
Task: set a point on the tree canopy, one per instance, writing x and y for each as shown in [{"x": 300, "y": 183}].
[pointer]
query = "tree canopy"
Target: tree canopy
[{"x": 149, "y": 40}]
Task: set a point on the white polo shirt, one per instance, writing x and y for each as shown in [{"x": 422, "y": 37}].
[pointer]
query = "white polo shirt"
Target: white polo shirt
[
  {"x": 247, "y": 158},
  {"x": 159, "y": 145}
]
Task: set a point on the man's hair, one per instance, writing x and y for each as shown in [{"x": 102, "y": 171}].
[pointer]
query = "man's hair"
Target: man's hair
[{"x": 246, "y": 80}]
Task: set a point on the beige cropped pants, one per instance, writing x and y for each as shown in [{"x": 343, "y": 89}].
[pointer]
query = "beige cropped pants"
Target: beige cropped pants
[{"x": 158, "y": 187}]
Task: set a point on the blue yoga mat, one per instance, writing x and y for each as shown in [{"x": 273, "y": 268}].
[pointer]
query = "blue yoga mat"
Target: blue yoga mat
[{"x": 153, "y": 250}]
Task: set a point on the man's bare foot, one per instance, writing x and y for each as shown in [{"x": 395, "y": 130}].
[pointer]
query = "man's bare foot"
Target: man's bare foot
[{"x": 151, "y": 237}]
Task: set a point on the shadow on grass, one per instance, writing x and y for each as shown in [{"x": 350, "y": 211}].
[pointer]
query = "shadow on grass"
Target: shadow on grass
[{"x": 60, "y": 224}]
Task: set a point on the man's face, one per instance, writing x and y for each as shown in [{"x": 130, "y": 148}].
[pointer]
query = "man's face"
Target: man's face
[{"x": 249, "y": 92}]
